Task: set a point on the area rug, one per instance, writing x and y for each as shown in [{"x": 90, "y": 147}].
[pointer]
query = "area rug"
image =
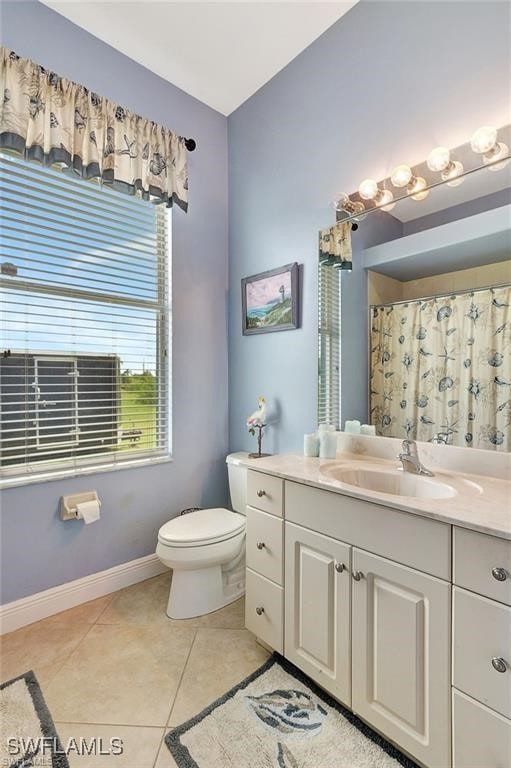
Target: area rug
[
  {"x": 279, "y": 718},
  {"x": 27, "y": 731}
]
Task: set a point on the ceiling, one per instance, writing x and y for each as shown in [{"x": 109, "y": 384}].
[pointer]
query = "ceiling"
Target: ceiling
[{"x": 219, "y": 52}]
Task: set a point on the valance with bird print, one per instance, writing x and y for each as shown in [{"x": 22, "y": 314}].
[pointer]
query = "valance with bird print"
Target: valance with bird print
[{"x": 52, "y": 120}]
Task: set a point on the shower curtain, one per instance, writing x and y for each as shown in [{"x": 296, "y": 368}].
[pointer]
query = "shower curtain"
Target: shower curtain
[{"x": 441, "y": 369}]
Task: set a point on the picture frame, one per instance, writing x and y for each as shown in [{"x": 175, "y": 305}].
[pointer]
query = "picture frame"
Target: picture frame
[{"x": 270, "y": 301}]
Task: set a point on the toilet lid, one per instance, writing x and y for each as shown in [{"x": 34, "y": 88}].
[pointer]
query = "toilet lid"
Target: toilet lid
[{"x": 205, "y": 526}]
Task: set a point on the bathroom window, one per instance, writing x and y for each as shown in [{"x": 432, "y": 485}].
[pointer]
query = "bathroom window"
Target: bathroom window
[
  {"x": 329, "y": 346},
  {"x": 85, "y": 344}
]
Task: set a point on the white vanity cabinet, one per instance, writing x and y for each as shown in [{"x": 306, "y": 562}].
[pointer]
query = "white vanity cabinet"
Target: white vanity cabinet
[
  {"x": 401, "y": 660},
  {"x": 481, "y": 670},
  {"x": 317, "y": 608},
  {"x": 360, "y": 597}
]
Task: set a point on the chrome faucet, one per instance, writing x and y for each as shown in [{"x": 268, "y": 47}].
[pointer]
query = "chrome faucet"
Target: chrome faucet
[{"x": 409, "y": 458}]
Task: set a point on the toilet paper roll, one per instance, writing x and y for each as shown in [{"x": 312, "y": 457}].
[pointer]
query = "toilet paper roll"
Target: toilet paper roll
[{"x": 88, "y": 511}]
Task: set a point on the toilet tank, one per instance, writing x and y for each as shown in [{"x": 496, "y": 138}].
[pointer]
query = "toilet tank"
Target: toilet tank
[{"x": 237, "y": 481}]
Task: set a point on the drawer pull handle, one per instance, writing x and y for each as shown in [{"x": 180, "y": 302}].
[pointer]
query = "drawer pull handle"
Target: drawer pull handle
[
  {"x": 357, "y": 575},
  {"x": 340, "y": 567},
  {"x": 499, "y": 664},
  {"x": 261, "y": 493},
  {"x": 260, "y": 545},
  {"x": 500, "y": 574},
  {"x": 259, "y": 610}
]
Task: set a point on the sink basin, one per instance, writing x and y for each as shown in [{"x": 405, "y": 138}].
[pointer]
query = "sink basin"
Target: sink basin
[{"x": 393, "y": 482}]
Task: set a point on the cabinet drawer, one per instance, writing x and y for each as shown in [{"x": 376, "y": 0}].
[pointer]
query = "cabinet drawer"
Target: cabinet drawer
[
  {"x": 481, "y": 738},
  {"x": 482, "y": 632},
  {"x": 400, "y": 536},
  {"x": 265, "y": 492},
  {"x": 264, "y": 544},
  {"x": 483, "y": 564},
  {"x": 264, "y": 609}
]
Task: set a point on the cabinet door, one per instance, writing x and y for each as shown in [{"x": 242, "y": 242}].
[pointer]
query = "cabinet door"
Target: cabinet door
[
  {"x": 401, "y": 655},
  {"x": 317, "y": 609}
]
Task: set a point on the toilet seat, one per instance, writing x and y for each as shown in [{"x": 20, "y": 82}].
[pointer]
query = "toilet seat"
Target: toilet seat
[{"x": 202, "y": 527}]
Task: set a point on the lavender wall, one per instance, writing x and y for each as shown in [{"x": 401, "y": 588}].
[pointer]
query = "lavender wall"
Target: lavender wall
[
  {"x": 384, "y": 85},
  {"x": 38, "y": 550}
]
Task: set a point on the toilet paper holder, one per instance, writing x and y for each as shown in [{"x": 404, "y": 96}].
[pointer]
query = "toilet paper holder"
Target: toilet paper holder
[{"x": 68, "y": 510}]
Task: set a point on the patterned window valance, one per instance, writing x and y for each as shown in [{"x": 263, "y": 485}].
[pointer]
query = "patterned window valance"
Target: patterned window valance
[
  {"x": 335, "y": 246},
  {"x": 52, "y": 120}
]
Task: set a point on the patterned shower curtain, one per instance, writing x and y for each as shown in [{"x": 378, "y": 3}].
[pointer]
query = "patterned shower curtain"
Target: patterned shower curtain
[{"x": 441, "y": 369}]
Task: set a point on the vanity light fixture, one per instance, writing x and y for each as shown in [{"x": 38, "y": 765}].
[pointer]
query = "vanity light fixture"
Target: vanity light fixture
[
  {"x": 408, "y": 182},
  {"x": 484, "y": 142}
]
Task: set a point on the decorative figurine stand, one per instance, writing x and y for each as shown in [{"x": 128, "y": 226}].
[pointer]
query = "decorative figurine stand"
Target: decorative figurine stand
[{"x": 258, "y": 455}]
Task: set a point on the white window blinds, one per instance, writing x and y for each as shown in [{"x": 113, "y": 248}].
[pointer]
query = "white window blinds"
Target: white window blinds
[
  {"x": 329, "y": 357},
  {"x": 84, "y": 324}
]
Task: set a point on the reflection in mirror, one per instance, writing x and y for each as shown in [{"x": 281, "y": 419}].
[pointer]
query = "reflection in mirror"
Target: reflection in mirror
[
  {"x": 416, "y": 338},
  {"x": 440, "y": 368}
]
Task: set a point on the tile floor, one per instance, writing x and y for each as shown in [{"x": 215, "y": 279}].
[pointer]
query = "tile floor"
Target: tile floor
[{"x": 118, "y": 667}]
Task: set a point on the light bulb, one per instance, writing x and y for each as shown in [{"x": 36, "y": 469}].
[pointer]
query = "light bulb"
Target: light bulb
[
  {"x": 439, "y": 159},
  {"x": 499, "y": 150},
  {"x": 483, "y": 139},
  {"x": 385, "y": 200},
  {"x": 418, "y": 189},
  {"x": 358, "y": 211},
  {"x": 340, "y": 201},
  {"x": 368, "y": 189},
  {"x": 452, "y": 175},
  {"x": 401, "y": 175}
]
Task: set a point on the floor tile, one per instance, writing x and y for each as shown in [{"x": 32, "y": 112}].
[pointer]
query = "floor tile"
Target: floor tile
[
  {"x": 42, "y": 647},
  {"x": 121, "y": 674},
  {"x": 165, "y": 759},
  {"x": 220, "y": 658},
  {"x": 146, "y": 603},
  {"x": 140, "y": 746},
  {"x": 141, "y": 604},
  {"x": 86, "y": 613}
]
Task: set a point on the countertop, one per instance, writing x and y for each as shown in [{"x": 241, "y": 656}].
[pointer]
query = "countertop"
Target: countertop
[{"x": 481, "y": 503}]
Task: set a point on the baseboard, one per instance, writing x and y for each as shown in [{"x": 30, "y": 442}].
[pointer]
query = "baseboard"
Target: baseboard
[{"x": 19, "y": 613}]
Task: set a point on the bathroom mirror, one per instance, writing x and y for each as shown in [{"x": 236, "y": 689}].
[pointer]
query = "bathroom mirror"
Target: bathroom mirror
[{"x": 424, "y": 318}]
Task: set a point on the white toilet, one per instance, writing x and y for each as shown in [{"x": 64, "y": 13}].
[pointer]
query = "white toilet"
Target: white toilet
[{"x": 206, "y": 551}]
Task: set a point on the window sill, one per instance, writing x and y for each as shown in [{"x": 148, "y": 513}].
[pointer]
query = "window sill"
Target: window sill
[{"x": 60, "y": 474}]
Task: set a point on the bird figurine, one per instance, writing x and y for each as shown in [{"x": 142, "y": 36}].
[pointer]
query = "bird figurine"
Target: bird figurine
[
  {"x": 257, "y": 421},
  {"x": 257, "y": 418}
]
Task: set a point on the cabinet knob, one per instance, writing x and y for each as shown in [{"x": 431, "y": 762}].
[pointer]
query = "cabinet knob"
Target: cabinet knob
[
  {"x": 339, "y": 567},
  {"x": 500, "y": 574},
  {"x": 357, "y": 575},
  {"x": 261, "y": 493},
  {"x": 499, "y": 664},
  {"x": 259, "y": 610},
  {"x": 260, "y": 545}
]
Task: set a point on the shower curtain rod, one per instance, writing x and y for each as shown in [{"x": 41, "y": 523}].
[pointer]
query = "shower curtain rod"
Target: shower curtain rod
[{"x": 442, "y": 295}]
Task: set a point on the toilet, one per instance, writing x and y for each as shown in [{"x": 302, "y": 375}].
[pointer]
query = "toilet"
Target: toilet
[{"x": 206, "y": 551}]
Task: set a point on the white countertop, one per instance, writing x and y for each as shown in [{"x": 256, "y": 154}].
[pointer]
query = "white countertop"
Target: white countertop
[{"x": 487, "y": 511}]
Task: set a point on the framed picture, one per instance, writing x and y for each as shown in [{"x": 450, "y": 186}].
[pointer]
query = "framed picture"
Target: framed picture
[{"x": 269, "y": 300}]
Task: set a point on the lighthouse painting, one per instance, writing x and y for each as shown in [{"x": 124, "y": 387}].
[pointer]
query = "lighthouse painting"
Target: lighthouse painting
[{"x": 270, "y": 300}]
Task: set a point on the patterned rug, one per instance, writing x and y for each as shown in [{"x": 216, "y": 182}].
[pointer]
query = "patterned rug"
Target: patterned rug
[
  {"x": 279, "y": 718},
  {"x": 27, "y": 732}
]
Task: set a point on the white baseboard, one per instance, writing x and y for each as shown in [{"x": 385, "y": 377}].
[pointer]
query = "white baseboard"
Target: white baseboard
[{"x": 19, "y": 613}]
